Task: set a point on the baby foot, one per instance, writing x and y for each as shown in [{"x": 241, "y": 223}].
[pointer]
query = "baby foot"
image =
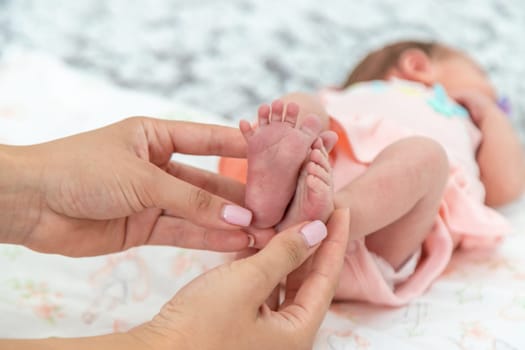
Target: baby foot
[
  {"x": 277, "y": 147},
  {"x": 314, "y": 197}
]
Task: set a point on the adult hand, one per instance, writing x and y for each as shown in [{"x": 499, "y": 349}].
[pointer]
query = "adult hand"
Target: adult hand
[
  {"x": 114, "y": 188},
  {"x": 225, "y": 308}
]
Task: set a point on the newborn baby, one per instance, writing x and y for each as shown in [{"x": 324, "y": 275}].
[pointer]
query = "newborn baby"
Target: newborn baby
[{"x": 414, "y": 144}]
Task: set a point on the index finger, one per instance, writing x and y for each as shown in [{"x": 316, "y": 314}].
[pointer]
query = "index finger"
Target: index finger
[
  {"x": 204, "y": 139},
  {"x": 217, "y": 184},
  {"x": 182, "y": 199},
  {"x": 317, "y": 291}
]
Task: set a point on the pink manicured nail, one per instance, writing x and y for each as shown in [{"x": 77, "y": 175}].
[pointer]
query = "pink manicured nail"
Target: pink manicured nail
[
  {"x": 314, "y": 232},
  {"x": 235, "y": 215}
]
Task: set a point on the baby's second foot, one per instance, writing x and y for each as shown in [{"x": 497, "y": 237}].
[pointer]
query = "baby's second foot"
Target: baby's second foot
[
  {"x": 314, "y": 197},
  {"x": 277, "y": 148}
]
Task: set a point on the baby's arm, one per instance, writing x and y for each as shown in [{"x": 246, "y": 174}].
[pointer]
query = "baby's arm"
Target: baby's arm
[{"x": 500, "y": 156}]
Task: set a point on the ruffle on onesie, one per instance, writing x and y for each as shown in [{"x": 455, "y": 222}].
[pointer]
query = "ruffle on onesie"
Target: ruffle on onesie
[{"x": 460, "y": 214}]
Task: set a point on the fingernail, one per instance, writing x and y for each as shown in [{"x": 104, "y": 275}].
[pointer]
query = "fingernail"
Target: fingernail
[
  {"x": 251, "y": 241},
  {"x": 235, "y": 215},
  {"x": 314, "y": 232}
]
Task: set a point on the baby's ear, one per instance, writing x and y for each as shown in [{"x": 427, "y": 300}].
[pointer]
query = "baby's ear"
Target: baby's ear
[{"x": 416, "y": 65}]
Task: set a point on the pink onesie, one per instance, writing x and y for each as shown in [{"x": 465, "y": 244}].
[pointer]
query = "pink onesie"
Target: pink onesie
[{"x": 370, "y": 116}]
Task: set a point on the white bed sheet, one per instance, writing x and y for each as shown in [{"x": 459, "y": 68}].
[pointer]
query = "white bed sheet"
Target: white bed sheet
[{"x": 479, "y": 303}]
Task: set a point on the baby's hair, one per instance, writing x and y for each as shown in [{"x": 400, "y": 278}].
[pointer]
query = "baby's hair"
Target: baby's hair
[{"x": 376, "y": 64}]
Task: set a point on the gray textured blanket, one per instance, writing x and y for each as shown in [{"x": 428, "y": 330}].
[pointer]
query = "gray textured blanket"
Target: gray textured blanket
[{"x": 229, "y": 56}]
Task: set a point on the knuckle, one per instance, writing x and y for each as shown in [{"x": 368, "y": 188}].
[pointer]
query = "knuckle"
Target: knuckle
[
  {"x": 215, "y": 145},
  {"x": 146, "y": 187},
  {"x": 139, "y": 124},
  {"x": 206, "y": 240},
  {"x": 200, "y": 199},
  {"x": 134, "y": 121},
  {"x": 293, "y": 251},
  {"x": 173, "y": 305}
]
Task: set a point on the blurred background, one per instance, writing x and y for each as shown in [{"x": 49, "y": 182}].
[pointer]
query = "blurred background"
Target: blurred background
[{"x": 228, "y": 56}]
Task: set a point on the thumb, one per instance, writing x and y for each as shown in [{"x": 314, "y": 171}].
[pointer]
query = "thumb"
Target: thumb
[{"x": 285, "y": 253}]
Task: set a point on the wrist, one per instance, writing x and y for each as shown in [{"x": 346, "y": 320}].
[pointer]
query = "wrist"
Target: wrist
[
  {"x": 113, "y": 341},
  {"x": 19, "y": 194},
  {"x": 157, "y": 337}
]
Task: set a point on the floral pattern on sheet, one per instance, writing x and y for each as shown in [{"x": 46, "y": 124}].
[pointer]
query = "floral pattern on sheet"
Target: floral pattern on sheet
[
  {"x": 39, "y": 298},
  {"x": 124, "y": 278},
  {"x": 10, "y": 253}
]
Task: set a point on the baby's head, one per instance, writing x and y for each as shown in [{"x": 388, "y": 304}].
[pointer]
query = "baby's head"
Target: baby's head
[{"x": 425, "y": 62}]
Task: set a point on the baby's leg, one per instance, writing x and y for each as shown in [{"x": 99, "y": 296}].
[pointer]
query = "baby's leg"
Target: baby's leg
[
  {"x": 314, "y": 196},
  {"x": 395, "y": 202}
]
